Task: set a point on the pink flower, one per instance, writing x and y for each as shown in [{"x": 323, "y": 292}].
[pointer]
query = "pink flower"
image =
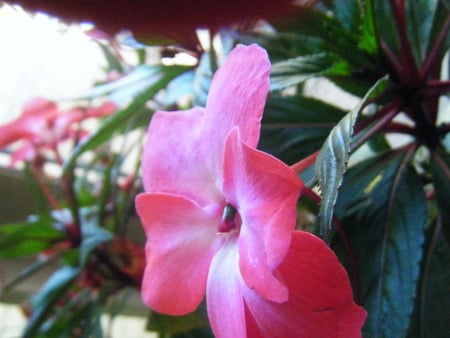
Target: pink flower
[
  {"x": 43, "y": 125},
  {"x": 219, "y": 216}
]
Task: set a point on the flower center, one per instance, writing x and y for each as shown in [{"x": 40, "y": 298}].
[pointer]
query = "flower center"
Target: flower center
[{"x": 231, "y": 221}]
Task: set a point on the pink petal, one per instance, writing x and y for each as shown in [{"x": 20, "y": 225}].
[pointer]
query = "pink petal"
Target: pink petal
[
  {"x": 320, "y": 301},
  {"x": 39, "y": 107},
  {"x": 104, "y": 109},
  {"x": 35, "y": 115},
  {"x": 265, "y": 192},
  {"x": 180, "y": 245},
  {"x": 237, "y": 95},
  {"x": 224, "y": 298},
  {"x": 176, "y": 155}
]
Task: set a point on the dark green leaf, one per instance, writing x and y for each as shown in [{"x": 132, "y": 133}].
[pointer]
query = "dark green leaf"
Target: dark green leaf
[
  {"x": 81, "y": 312},
  {"x": 349, "y": 14},
  {"x": 43, "y": 302},
  {"x": 440, "y": 169},
  {"x": 301, "y": 68},
  {"x": 382, "y": 206},
  {"x": 420, "y": 15},
  {"x": 294, "y": 127},
  {"x": 331, "y": 163},
  {"x": 385, "y": 27},
  {"x": 430, "y": 318}
]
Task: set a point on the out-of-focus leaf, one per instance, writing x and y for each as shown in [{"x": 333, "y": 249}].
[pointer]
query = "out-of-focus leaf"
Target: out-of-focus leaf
[
  {"x": 382, "y": 207},
  {"x": 28, "y": 238},
  {"x": 111, "y": 59},
  {"x": 180, "y": 86},
  {"x": 349, "y": 14},
  {"x": 172, "y": 325},
  {"x": 368, "y": 39},
  {"x": 331, "y": 162},
  {"x": 202, "y": 80},
  {"x": 27, "y": 273},
  {"x": 294, "y": 127},
  {"x": 81, "y": 312},
  {"x": 92, "y": 235},
  {"x": 118, "y": 121},
  {"x": 440, "y": 169},
  {"x": 42, "y": 303}
]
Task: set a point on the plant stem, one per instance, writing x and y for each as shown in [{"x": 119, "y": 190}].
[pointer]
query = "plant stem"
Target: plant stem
[
  {"x": 388, "y": 116},
  {"x": 301, "y": 165},
  {"x": 434, "y": 55}
]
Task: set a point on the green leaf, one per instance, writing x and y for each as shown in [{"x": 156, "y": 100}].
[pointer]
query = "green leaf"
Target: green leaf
[
  {"x": 173, "y": 325},
  {"x": 440, "y": 170},
  {"x": 420, "y": 15},
  {"x": 385, "y": 27},
  {"x": 43, "y": 302},
  {"x": 301, "y": 68},
  {"x": 430, "y": 318},
  {"x": 118, "y": 121},
  {"x": 382, "y": 207},
  {"x": 331, "y": 162},
  {"x": 81, "y": 312},
  {"x": 27, "y": 273},
  {"x": 368, "y": 39},
  {"x": 348, "y": 14},
  {"x": 28, "y": 238},
  {"x": 295, "y": 127}
]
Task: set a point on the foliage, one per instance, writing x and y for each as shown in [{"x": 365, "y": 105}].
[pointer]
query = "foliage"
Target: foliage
[{"x": 383, "y": 204}]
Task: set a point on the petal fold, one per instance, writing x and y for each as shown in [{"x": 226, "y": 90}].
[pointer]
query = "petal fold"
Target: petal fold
[
  {"x": 265, "y": 192},
  {"x": 180, "y": 246}
]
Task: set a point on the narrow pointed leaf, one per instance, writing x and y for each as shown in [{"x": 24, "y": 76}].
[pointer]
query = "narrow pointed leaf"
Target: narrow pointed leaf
[
  {"x": 44, "y": 301},
  {"x": 331, "y": 163}
]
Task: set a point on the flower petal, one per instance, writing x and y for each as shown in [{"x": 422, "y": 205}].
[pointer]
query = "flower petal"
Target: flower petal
[
  {"x": 36, "y": 114},
  {"x": 175, "y": 154},
  {"x": 180, "y": 245},
  {"x": 320, "y": 301},
  {"x": 238, "y": 94},
  {"x": 224, "y": 298},
  {"x": 265, "y": 192}
]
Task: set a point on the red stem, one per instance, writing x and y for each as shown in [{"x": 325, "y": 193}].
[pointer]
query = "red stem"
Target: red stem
[
  {"x": 378, "y": 125},
  {"x": 301, "y": 165},
  {"x": 435, "y": 51},
  {"x": 410, "y": 73},
  {"x": 45, "y": 190}
]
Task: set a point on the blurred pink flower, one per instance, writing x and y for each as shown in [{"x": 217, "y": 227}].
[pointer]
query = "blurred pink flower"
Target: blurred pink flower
[
  {"x": 43, "y": 125},
  {"x": 220, "y": 215}
]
